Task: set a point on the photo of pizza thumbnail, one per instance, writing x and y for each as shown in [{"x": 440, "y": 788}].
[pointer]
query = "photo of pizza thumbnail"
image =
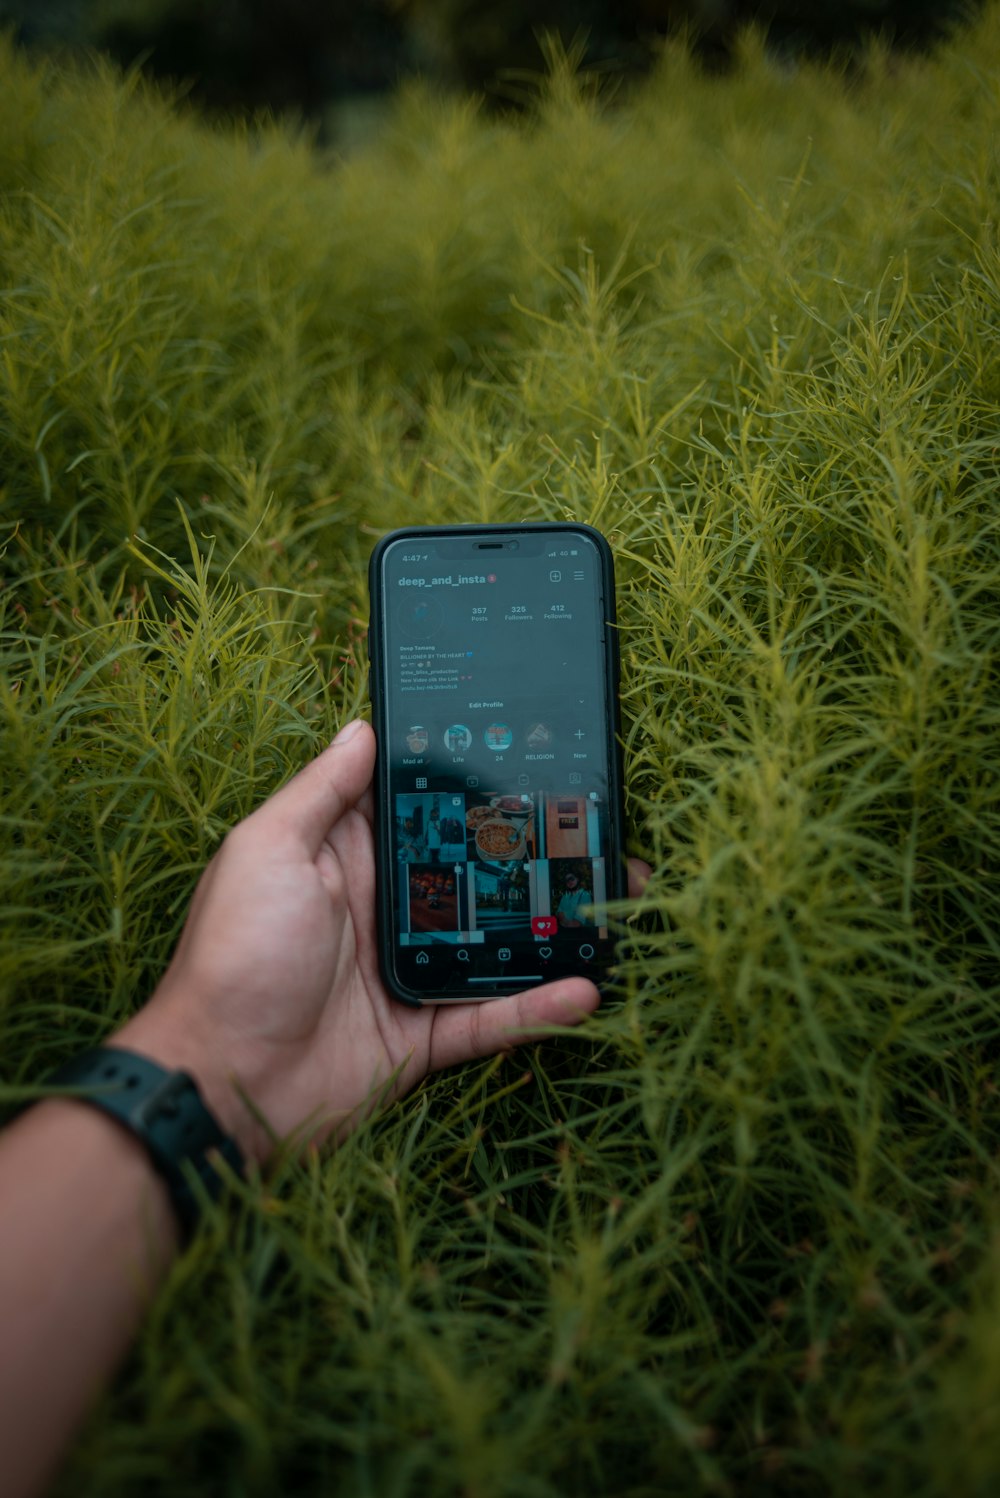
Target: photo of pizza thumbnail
[{"x": 500, "y": 826}]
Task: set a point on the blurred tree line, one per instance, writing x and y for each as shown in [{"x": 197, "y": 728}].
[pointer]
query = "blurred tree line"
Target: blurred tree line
[{"x": 305, "y": 55}]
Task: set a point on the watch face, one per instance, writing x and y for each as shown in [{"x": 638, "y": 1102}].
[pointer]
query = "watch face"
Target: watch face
[{"x": 495, "y": 710}]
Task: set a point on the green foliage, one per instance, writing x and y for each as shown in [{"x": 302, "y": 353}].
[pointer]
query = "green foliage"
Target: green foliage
[{"x": 739, "y": 1234}]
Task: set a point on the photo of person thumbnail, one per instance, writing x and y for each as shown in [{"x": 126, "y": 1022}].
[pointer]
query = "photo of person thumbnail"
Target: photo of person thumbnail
[
  {"x": 571, "y": 890},
  {"x": 432, "y": 894},
  {"x": 430, "y": 828}
]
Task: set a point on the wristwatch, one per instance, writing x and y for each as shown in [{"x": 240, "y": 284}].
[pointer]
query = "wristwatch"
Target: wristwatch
[{"x": 164, "y": 1110}]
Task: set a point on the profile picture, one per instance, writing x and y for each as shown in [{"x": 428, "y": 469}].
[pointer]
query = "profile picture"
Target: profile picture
[
  {"x": 419, "y": 618},
  {"x": 457, "y": 738},
  {"x": 417, "y": 739},
  {"x": 498, "y": 736}
]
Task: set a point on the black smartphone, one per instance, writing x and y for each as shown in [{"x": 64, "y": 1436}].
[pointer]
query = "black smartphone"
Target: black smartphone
[{"x": 498, "y": 784}]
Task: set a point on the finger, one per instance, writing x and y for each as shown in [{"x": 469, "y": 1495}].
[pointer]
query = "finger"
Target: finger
[
  {"x": 639, "y": 875},
  {"x": 473, "y": 1030},
  {"x": 316, "y": 798}
]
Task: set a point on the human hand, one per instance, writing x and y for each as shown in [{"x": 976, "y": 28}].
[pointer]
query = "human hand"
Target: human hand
[{"x": 274, "y": 986}]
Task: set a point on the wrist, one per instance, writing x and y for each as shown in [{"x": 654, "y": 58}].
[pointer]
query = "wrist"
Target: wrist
[
  {"x": 185, "y": 1048},
  {"x": 162, "y": 1109}
]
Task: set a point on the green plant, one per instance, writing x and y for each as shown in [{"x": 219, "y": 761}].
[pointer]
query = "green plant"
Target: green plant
[{"x": 736, "y": 1235}]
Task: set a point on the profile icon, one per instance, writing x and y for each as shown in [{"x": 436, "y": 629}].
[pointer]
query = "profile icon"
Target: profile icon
[
  {"x": 498, "y": 736},
  {"x": 419, "y": 617},
  {"x": 417, "y": 739}
]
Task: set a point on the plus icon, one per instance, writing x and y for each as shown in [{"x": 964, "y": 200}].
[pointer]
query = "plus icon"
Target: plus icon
[{"x": 579, "y": 734}]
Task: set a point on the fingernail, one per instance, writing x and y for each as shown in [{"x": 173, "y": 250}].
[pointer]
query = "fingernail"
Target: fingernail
[{"x": 348, "y": 731}]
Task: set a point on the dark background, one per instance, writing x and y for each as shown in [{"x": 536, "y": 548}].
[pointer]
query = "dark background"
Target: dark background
[{"x": 308, "y": 56}]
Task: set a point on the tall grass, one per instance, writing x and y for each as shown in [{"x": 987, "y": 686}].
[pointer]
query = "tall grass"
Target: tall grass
[{"x": 740, "y": 1234}]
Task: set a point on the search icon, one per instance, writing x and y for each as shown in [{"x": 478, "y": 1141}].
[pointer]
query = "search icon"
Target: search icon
[{"x": 462, "y": 955}]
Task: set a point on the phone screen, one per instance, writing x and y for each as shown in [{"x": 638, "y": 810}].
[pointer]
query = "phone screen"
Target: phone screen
[{"x": 498, "y": 788}]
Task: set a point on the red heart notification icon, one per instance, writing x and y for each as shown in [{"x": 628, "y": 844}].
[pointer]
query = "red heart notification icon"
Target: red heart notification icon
[{"x": 544, "y": 925}]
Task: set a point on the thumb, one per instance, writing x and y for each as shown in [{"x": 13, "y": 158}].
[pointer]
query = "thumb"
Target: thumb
[
  {"x": 317, "y": 797},
  {"x": 471, "y": 1030}
]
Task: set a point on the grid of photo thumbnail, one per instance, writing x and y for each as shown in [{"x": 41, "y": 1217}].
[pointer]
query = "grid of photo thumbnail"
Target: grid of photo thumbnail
[{"x": 476, "y": 866}]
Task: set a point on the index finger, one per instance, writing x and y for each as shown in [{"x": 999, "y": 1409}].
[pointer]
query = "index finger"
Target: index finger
[{"x": 314, "y": 800}]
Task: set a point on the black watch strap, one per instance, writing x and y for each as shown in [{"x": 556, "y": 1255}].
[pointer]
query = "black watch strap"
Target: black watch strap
[{"x": 165, "y": 1111}]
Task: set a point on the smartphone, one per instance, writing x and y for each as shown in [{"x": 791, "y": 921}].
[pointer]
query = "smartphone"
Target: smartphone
[{"x": 498, "y": 783}]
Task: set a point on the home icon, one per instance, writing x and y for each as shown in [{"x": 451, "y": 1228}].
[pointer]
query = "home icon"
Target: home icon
[{"x": 422, "y": 957}]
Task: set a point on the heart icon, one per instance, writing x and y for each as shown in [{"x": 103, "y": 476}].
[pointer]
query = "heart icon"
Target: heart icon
[{"x": 544, "y": 925}]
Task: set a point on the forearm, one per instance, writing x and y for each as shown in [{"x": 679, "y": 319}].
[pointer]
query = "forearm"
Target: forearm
[{"x": 88, "y": 1234}]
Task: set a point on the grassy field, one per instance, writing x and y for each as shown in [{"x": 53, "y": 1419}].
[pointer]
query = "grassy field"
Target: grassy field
[{"x": 742, "y": 1234}]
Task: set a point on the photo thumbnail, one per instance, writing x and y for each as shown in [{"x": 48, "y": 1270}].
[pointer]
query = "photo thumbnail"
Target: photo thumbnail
[
  {"x": 503, "y": 898},
  {"x": 432, "y": 895},
  {"x": 578, "y": 893},
  {"x": 572, "y": 826},
  {"x": 430, "y": 827},
  {"x": 500, "y": 828}
]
